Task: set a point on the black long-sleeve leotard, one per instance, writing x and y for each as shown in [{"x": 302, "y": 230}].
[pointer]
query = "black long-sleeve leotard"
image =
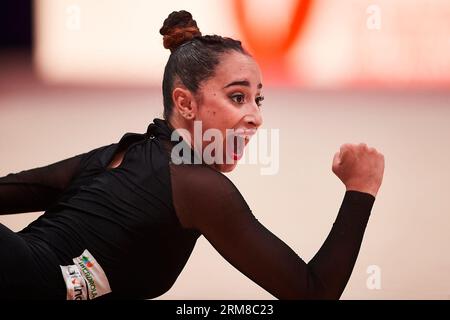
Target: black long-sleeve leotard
[{"x": 141, "y": 220}]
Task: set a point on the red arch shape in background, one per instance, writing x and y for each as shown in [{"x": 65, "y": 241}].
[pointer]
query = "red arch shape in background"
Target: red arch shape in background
[{"x": 272, "y": 47}]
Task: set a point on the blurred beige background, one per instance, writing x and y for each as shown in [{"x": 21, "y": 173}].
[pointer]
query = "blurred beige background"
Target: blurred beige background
[{"x": 407, "y": 235}]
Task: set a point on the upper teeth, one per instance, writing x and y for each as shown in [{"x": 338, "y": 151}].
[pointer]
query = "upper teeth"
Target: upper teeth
[{"x": 247, "y": 133}]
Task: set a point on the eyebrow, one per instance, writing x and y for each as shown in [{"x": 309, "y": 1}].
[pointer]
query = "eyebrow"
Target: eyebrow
[{"x": 244, "y": 83}]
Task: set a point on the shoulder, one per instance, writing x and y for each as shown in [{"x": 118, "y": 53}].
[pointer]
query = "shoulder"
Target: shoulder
[
  {"x": 99, "y": 156},
  {"x": 95, "y": 156},
  {"x": 194, "y": 178},
  {"x": 200, "y": 192}
]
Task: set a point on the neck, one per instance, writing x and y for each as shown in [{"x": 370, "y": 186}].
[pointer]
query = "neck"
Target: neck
[{"x": 187, "y": 133}]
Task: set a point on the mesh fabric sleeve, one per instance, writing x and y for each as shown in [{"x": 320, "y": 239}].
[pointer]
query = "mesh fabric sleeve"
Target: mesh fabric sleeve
[
  {"x": 36, "y": 189},
  {"x": 208, "y": 201}
]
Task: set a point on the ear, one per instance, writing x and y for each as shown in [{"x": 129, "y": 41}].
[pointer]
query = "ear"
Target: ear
[{"x": 184, "y": 102}]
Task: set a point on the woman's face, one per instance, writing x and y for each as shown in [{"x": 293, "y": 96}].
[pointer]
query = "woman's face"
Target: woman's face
[{"x": 231, "y": 99}]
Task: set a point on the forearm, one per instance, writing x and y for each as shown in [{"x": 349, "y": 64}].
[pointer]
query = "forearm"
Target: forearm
[
  {"x": 330, "y": 269},
  {"x": 17, "y": 196},
  {"x": 36, "y": 189}
]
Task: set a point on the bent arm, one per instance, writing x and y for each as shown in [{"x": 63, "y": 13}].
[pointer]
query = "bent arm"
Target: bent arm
[
  {"x": 267, "y": 260},
  {"x": 228, "y": 224},
  {"x": 333, "y": 264},
  {"x": 36, "y": 189}
]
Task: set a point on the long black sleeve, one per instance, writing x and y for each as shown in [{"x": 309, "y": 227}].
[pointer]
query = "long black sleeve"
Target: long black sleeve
[
  {"x": 330, "y": 269},
  {"x": 36, "y": 189},
  {"x": 208, "y": 201}
]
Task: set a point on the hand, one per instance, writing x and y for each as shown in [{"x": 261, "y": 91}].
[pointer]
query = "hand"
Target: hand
[{"x": 359, "y": 167}]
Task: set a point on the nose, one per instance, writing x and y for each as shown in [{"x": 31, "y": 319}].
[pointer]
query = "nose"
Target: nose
[{"x": 253, "y": 118}]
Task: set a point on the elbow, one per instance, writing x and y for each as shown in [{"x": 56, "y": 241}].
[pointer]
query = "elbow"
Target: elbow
[
  {"x": 311, "y": 287},
  {"x": 317, "y": 289}
]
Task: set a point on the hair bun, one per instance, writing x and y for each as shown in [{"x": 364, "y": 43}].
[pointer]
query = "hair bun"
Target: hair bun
[{"x": 178, "y": 28}]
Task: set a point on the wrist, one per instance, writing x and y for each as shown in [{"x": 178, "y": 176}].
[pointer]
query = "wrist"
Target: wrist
[{"x": 365, "y": 189}]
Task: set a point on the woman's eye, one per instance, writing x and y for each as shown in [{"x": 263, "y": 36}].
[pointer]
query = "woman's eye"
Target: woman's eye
[
  {"x": 238, "y": 98},
  {"x": 259, "y": 100}
]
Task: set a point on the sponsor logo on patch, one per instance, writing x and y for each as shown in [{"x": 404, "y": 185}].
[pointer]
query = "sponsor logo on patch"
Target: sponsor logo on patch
[{"x": 85, "y": 279}]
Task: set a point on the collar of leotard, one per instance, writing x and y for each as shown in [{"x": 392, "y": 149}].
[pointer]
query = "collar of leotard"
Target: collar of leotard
[{"x": 160, "y": 128}]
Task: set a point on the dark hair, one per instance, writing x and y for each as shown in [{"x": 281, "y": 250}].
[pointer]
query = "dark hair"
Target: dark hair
[{"x": 193, "y": 57}]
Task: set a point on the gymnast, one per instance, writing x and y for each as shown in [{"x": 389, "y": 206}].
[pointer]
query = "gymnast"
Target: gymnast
[{"x": 121, "y": 220}]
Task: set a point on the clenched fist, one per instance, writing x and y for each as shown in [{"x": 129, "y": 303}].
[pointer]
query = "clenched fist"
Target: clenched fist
[{"x": 359, "y": 167}]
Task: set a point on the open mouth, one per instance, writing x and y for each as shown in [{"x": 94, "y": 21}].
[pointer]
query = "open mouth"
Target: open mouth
[{"x": 239, "y": 143}]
